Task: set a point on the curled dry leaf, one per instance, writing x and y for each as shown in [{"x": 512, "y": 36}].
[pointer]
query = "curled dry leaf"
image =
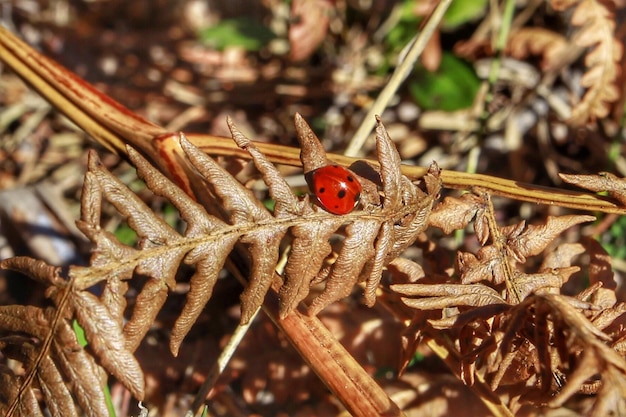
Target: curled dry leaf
[
  {"x": 309, "y": 26},
  {"x": 538, "y": 41},
  {"x": 447, "y": 295},
  {"x": 602, "y": 182},
  {"x": 523, "y": 241},
  {"x": 456, "y": 213}
]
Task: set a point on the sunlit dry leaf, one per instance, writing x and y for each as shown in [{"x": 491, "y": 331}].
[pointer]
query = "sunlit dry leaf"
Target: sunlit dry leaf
[
  {"x": 447, "y": 295},
  {"x": 310, "y": 25},
  {"x": 603, "y": 182},
  {"x": 87, "y": 376},
  {"x": 485, "y": 266},
  {"x": 404, "y": 270},
  {"x": 562, "y": 256},
  {"x": 456, "y": 213},
  {"x": 106, "y": 339},
  {"x": 308, "y": 251},
  {"x": 538, "y": 41},
  {"x": 550, "y": 280},
  {"x": 532, "y": 240},
  {"x": 356, "y": 251}
]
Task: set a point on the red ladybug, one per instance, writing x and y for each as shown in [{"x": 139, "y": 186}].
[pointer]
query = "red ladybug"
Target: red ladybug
[{"x": 336, "y": 188}]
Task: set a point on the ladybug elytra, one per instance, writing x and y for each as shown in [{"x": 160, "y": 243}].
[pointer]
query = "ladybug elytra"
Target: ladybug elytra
[{"x": 336, "y": 188}]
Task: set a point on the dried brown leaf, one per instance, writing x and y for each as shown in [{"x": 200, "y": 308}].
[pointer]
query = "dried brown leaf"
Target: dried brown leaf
[
  {"x": 66, "y": 361},
  {"x": 532, "y": 240},
  {"x": 562, "y": 256},
  {"x": 405, "y": 270},
  {"x": 600, "y": 271},
  {"x": 311, "y": 25},
  {"x": 603, "y": 182},
  {"x": 456, "y": 213},
  {"x": 550, "y": 280},
  {"x": 356, "y": 251},
  {"x": 447, "y": 295},
  {"x": 28, "y": 404},
  {"x": 56, "y": 394},
  {"x": 309, "y": 249},
  {"x": 80, "y": 367},
  {"x": 538, "y": 41},
  {"x": 106, "y": 339},
  {"x": 485, "y": 266}
]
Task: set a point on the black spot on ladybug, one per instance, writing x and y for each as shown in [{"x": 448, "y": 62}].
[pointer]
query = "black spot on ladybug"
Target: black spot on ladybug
[
  {"x": 341, "y": 194},
  {"x": 321, "y": 190}
]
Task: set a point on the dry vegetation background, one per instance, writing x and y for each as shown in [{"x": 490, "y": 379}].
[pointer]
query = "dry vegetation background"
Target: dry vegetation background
[{"x": 496, "y": 301}]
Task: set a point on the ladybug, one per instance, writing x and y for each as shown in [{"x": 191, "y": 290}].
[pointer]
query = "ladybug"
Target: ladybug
[{"x": 336, "y": 188}]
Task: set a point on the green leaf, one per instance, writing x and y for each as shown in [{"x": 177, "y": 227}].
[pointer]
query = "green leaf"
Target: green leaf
[
  {"x": 463, "y": 11},
  {"x": 80, "y": 333},
  {"x": 125, "y": 235},
  {"x": 404, "y": 29},
  {"x": 417, "y": 358},
  {"x": 614, "y": 240},
  {"x": 244, "y": 32},
  {"x": 452, "y": 87}
]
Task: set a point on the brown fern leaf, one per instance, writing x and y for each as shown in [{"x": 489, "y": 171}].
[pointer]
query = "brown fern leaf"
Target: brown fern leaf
[
  {"x": 535, "y": 351},
  {"x": 523, "y": 241},
  {"x": 597, "y": 26},
  {"x": 395, "y": 224},
  {"x": 371, "y": 241},
  {"x": 604, "y": 181},
  {"x": 373, "y": 238},
  {"x": 67, "y": 373},
  {"x": 538, "y": 41}
]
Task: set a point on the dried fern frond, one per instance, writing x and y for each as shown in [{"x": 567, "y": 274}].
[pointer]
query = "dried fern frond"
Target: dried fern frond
[
  {"x": 208, "y": 240},
  {"x": 596, "y": 21},
  {"x": 70, "y": 379},
  {"x": 514, "y": 329},
  {"x": 392, "y": 218},
  {"x": 604, "y": 181},
  {"x": 538, "y": 41}
]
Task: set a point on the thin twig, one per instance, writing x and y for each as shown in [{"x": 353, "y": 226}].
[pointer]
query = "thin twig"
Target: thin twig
[
  {"x": 220, "y": 365},
  {"x": 399, "y": 75}
]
